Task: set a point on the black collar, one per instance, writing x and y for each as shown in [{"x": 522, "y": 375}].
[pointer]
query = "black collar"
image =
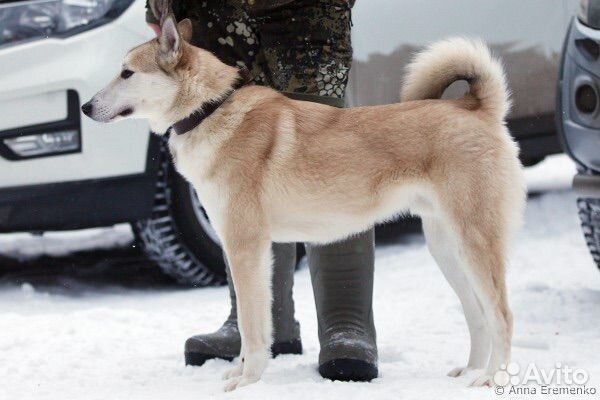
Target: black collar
[{"x": 205, "y": 110}]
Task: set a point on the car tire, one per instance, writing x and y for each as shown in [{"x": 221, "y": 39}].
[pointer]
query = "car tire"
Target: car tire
[
  {"x": 589, "y": 214},
  {"x": 178, "y": 237}
]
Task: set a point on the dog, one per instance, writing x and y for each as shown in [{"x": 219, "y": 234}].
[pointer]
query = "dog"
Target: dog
[{"x": 270, "y": 169}]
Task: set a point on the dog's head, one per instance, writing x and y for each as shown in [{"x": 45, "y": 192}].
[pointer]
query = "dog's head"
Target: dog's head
[{"x": 162, "y": 80}]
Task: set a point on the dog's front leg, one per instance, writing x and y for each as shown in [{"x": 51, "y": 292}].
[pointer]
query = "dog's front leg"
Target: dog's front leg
[{"x": 249, "y": 254}]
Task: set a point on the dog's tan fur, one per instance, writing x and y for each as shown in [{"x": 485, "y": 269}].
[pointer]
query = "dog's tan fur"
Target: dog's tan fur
[{"x": 267, "y": 168}]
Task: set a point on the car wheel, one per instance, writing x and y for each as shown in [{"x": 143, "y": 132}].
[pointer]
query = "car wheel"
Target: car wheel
[
  {"x": 589, "y": 213},
  {"x": 178, "y": 237}
]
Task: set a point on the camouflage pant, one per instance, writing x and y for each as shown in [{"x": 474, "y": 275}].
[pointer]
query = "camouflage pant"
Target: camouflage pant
[{"x": 303, "y": 47}]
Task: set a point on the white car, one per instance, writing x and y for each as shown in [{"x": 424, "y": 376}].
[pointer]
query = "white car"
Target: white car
[{"x": 60, "y": 171}]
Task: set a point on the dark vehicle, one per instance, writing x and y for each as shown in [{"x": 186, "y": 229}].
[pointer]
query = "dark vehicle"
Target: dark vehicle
[{"x": 579, "y": 116}]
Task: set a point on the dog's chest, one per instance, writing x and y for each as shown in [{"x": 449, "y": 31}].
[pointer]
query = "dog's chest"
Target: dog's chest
[{"x": 193, "y": 159}]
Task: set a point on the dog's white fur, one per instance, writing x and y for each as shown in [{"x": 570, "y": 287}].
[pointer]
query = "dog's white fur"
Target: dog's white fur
[{"x": 267, "y": 168}]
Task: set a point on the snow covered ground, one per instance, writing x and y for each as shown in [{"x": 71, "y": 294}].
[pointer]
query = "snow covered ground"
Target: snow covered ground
[{"x": 127, "y": 344}]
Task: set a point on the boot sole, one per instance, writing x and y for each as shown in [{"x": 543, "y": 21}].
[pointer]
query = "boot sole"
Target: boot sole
[
  {"x": 289, "y": 347},
  {"x": 198, "y": 359},
  {"x": 345, "y": 369}
]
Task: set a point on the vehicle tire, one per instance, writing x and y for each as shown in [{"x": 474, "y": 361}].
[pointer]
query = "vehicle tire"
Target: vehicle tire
[
  {"x": 589, "y": 214},
  {"x": 178, "y": 237}
]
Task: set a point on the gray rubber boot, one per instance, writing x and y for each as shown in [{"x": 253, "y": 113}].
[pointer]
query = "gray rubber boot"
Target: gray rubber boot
[
  {"x": 342, "y": 280},
  {"x": 225, "y": 343}
]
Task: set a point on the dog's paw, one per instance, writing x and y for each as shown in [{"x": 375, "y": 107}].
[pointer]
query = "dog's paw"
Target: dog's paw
[
  {"x": 238, "y": 382},
  {"x": 234, "y": 372},
  {"x": 459, "y": 371},
  {"x": 246, "y": 372},
  {"x": 484, "y": 380},
  {"x": 232, "y": 384}
]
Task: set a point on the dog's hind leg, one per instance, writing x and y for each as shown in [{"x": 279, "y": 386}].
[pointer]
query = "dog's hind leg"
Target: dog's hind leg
[
  {"x": 248, "y": 251},
  {"x": 483, "y": 253},
  {"x": 442, "y": 246}
]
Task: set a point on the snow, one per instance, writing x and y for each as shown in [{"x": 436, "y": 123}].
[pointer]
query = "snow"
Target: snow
[
  {"x": 24, "y": 246},
  {"x": 127, "y": 344}
]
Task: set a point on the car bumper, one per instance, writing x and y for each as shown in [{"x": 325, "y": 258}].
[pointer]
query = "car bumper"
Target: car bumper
[
  {"x": 580, "y": 132},
  {"x": 35, "y": 78},
  {"x": 587, "y": 186},
  {"x": 83, "y": 203}
]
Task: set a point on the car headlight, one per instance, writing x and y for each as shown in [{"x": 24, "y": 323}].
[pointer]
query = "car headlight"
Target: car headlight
[
  {"x": 589, "y": 12},
  {"x": 37, "y": 19}
]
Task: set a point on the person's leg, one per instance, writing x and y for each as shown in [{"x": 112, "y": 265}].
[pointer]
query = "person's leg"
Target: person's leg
[
  {"x": 342, "y": 278},
  {"x": 225, "y": 343},
  {"x": 224, "y": 28},
  {"x": 308, "y": 52}
]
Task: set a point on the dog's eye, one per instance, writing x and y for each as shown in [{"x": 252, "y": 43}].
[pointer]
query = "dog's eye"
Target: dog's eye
[{"x": 126, "y": 73}]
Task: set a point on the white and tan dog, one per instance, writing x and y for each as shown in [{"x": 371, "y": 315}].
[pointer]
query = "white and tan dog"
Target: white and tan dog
[{"x": 271, "y": 169}]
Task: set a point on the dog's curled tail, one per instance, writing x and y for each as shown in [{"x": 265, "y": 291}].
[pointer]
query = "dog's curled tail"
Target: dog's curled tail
[{"x": 447, "y": 61}]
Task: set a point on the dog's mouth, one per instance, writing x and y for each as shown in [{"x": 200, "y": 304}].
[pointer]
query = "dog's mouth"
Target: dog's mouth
[{"x": 126, "y": 112}]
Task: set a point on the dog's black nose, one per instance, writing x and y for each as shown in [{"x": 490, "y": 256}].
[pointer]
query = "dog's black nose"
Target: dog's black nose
[{"x": 87, "y": 108}]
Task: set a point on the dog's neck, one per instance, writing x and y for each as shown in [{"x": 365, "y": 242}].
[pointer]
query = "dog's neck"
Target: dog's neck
[
  {"x": 206, "y": 82},
  {"x": 206, "y": 109}
]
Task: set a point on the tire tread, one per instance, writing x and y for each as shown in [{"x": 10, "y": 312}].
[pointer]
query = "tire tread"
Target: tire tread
[
  {"x": 160, "y": 238},
  {"x": 589, "y": 215}
]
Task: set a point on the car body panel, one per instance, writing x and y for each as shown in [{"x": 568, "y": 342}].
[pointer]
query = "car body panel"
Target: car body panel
[
  {"x": 527, "y": 35},
  {"x": 580, "y": 131},
  {"x": 35, "y": 72},
  {"x": 49, "y": 106}
]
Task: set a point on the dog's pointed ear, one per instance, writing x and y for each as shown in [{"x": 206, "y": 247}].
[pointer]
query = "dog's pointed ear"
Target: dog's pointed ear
[
  {"x": 161, "y": 9},
  {"x": 185, "y": 29},
  {"x": 169, "y": 41}
]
